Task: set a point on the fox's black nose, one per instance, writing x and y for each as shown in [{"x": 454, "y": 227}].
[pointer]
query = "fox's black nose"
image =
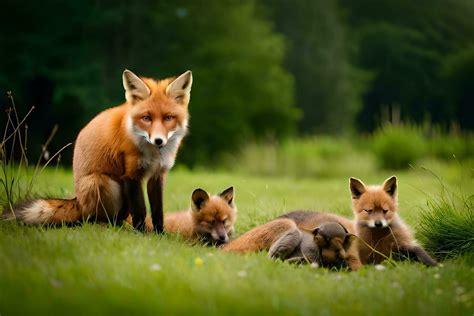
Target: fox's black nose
[
  {"x": 378, "y": 224},
  {"x": 158, "y": 141},
  {"x": 222, "y": 238}
]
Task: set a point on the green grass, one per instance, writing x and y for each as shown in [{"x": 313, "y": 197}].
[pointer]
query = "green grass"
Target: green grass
[
  {"x": 447, "y": 229},
  {"x": 96, "y": 269}
]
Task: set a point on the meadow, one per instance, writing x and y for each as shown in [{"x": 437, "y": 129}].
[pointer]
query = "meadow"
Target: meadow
[{"x": 100, "y": 269}]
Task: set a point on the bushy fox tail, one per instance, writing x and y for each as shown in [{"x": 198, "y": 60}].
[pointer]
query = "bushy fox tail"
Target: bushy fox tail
[{"x": 46, "y": 211}]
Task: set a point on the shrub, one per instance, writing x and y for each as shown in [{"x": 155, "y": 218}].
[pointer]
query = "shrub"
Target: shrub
[
  {"x": 446, "y": 228},
  {"x": 448, "y": 146},
  {"x": 397, "y": 146},
  {"x": 302, "y": 158}
]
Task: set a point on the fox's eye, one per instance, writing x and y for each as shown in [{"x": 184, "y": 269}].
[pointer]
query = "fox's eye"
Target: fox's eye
[
  {"x": 169, "y": 117},
  {"x": 146, "y": 118},
  {"x": 224, "y": 221},
  {"x": 385, "y": 211},
  {"x": 368, "y": 211}
]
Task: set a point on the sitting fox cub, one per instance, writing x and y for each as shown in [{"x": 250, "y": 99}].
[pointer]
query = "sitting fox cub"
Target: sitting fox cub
[
  {"x": 378, "y": 223},
  {"x": 320, "y": 238},
  {"x": 211, "y": 217}
]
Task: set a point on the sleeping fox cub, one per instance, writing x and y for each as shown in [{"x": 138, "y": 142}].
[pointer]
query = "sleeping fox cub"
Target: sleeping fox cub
[{"x": 210, "y": 219}]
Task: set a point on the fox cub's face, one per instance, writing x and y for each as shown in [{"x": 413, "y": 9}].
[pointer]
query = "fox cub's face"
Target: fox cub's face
[
  {"x": 214, "y": 216},
  {"x": 333, "y": 241},
  {"x": 374, "y": 206},
  {"x": 159, "y": 109}
]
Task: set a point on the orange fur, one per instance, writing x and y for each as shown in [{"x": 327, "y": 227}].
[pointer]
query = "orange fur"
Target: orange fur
[
  {"x": 260, "y": 237},
  {"x": 297, "y": 225},
  {"x": 378, "y": 224},
  {"x": 113, "y": 154},
  {"x": 211, "y": 219}
]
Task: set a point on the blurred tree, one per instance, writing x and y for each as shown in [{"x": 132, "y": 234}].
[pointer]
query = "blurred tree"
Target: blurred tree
[
  {"x": 404, "y": 74},
  {"x": 241, "y": 90},
  {"x": 403, "y": 43},
  {"x": 317, "y": 57},
  {"x": 67, "y": 59},
  {"x": 458, "y": 75}
]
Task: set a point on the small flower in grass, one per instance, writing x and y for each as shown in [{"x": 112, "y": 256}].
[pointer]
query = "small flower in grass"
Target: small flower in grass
[
  {"x": 436, "y": 276},
  {"x": 155, "y": 267},
  {"x": 198, "y": 261},
  {"x": 242, "y": 274},
  {"x": 314, "y": 265},
  {"x": 380, "y": 267}
]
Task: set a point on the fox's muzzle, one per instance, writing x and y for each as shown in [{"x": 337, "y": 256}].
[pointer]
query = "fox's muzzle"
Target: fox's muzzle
[{"x": 220, "y": 234}]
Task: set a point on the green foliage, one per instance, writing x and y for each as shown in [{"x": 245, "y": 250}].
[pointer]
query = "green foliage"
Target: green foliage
[
  {"x": 397, "y": 146},
  {"x": 317, "y": 157},
  {"x": 404, "y": 43},
  {"x": 458, "y": 73},
  {"x": 241, "y": 89},
  {"x": 318, "y": 58},
  {"x": 446, "y": 226},
  {"x": 67, "y": 61},
  {"x": 447, "y": 147},
  {"x": 398, "y": 57},
  {"x": 259, "y": 65}
]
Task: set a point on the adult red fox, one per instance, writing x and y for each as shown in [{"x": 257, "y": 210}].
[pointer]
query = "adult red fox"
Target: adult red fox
[
  {"x": 117, "y": 151},
  {"x": 378, "y": 224}
]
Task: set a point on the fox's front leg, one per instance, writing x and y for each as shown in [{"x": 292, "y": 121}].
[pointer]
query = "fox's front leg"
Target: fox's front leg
[
  {"x": 421, "y": 255},
  {"x": 155, "y": 194},
  {"x": 353, "y": 260},
  {"x": 136, "y": 202}
]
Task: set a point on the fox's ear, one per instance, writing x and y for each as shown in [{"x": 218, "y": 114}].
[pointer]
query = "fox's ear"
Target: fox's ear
[
  {"x": 348, "y": 240},
  {"x": 180, "y": 88},
  {"x": 390, "y": 186},
  {"x": 357, "y": 187},
  {"x": 343, "y": 227},
  {"x": 135, "y": 89},
  {"x": 228, "y": 195},
  {"x": 199, "y": 197},
  {"x": 316, "y": 231}
]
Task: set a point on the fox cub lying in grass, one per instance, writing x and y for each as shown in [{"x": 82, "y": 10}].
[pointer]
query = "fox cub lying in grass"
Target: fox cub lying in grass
[
  {"x": 378, "y": 224},
  {"x": 211, "y": 218},
  {"x": 319, "y": 238}
]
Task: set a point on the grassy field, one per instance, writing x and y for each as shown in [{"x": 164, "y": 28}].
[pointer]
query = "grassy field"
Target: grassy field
[{"x": 96, "y": 269}]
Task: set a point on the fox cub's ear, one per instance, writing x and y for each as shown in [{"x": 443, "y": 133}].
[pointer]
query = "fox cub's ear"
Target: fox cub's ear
[
  {"x": 180, "y": 88},
  {"x": 228, "y": 195},
  {"x": 348, "y": 240},
  {"x": 199, "y": 197},
  {"x": 357, "y": 187},
  {"x": 390, "y": 186},
  {"x": 135, "y": 89}
]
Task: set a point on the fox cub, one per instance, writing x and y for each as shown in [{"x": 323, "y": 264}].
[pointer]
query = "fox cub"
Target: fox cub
[
  {"x": 378, "y": 224},
  {"x": 210, "y": 219},
  {"x": 321, "y": 238},
  {"x": 117, "y": 151}
]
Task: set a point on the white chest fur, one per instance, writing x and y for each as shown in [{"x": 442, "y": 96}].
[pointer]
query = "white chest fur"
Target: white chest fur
[{"x": 154, "y": 159}]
